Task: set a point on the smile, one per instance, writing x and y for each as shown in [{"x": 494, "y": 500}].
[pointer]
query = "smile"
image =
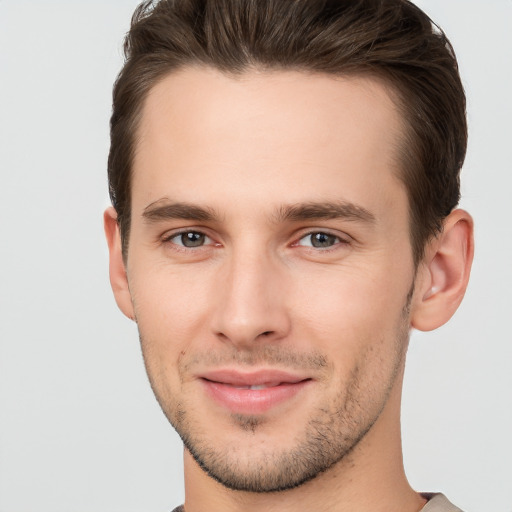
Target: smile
[{"x": 254, "y": 393}]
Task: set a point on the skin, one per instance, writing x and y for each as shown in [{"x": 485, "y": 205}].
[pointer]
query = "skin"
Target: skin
[{"x": 250, "y": 167}]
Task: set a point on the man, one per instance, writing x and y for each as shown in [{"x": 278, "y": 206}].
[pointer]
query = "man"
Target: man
[{"x": 284, "y": 177}]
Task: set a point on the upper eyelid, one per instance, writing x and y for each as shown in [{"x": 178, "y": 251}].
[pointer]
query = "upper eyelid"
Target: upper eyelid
[
  {"x": 167, "y": 238},
  {"x": 323, "y": 232},
  {"x": 172, "y": 233},
  {"x": 181, "y": 247},
  {"x": 331, "y": 232},
  {"x": 340, "y": 241}
]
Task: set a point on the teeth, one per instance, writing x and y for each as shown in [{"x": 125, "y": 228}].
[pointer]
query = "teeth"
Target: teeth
[{"x": 258, "y": 386}]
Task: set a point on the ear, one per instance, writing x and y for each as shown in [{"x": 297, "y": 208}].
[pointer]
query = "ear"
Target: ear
[
  {"x": 118, "y": 278},
  {"x": 443, "y": 276}
]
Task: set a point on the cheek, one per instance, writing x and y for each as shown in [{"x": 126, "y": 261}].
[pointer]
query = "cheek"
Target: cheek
[
  {"x": 169, "y": 302},
  {"x": 356, "y": 318},
  {"x": 171, "y": 312},
  {"x": 358, "y": 322},
  {"x": 350, "y": 304}
]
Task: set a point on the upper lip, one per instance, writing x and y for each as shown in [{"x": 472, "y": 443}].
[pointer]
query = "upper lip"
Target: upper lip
[{"x": 255, "y": 378}]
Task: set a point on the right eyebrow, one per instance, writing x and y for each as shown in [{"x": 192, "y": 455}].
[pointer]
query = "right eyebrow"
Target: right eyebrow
[{"x": 164, "y": 210}]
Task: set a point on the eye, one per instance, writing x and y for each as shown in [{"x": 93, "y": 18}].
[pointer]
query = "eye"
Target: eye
[
  {"x": 320, "y": 240},
  {"x": 189, "y": 239}
]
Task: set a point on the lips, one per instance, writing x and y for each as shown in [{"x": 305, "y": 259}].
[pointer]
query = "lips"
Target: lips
[{"x": 255, "y": 392}]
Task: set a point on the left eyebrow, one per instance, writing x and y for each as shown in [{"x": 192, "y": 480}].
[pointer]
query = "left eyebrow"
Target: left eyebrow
[{"x": 324, "y": 210}]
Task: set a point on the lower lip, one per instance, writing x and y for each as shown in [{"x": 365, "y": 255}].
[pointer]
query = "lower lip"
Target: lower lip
[{"x": 253, "y": 401}]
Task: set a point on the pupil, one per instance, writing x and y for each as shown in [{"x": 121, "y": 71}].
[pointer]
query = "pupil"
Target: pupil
[
  {"x": 192, "y": 239},
  {"x": 322, "y": 240}
]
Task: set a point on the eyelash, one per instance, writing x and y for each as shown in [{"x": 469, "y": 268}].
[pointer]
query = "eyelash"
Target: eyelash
[
  {"x": 338, "y": 240},
  {"x": 183, "y": 247}
]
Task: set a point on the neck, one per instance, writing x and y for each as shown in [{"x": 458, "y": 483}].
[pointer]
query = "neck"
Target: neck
[{"x": 371, "y": 477}]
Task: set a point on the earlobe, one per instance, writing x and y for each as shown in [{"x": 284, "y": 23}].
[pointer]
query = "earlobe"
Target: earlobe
[
  {"x": 117, "y": 270},
  {"x": 444, "y": 273}
]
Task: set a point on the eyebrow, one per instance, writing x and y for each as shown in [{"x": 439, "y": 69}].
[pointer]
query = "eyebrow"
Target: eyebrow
[
  {"x": 324, "y": 210},
  {"x": 163, "y": 209}
]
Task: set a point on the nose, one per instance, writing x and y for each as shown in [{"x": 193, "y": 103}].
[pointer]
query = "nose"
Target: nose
[{"x": 251, "y": 305}]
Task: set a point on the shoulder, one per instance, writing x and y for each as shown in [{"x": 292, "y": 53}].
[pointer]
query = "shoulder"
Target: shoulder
[{"x": 437, "y": 502}]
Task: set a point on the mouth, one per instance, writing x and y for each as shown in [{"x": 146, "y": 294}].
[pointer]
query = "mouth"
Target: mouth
[{"x": 255, "y": 392}]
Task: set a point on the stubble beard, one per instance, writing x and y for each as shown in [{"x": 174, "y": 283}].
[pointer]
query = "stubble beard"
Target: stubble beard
[{"x": 329, "y": 436}]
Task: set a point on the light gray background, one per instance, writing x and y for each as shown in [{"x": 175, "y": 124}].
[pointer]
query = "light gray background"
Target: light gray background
[{"x": 79, "y": 427}]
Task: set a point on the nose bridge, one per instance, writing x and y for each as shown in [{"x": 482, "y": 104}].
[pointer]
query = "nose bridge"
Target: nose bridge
[{"x": 251, "y": 303}]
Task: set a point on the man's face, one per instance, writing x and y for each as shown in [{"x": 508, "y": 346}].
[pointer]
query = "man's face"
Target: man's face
[{"x": 270, "y": 268}]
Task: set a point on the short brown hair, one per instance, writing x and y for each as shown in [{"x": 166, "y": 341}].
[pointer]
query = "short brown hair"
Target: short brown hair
[{"x": 390, "y": 39}]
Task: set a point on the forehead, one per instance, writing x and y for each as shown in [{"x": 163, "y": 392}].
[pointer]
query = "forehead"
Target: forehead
[{"x": 205, "y": 135}]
